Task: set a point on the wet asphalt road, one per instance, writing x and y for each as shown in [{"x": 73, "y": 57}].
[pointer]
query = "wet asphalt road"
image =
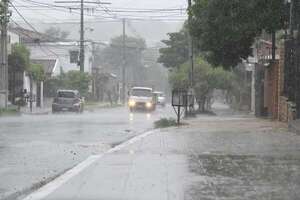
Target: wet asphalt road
[{"x": 36, "y": 148}]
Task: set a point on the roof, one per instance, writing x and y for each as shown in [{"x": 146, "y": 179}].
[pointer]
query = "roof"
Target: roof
[
  {"x": 62, "y": 90},
  {"x": 141, "y": 88},
  {"x": 29, "y": 36},
  {"x": 48, "y": 65}
]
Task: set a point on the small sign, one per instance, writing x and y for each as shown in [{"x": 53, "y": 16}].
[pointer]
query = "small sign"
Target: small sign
[{"x": 179, "y": 98}]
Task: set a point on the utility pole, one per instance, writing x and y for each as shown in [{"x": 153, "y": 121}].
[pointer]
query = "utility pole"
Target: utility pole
[
  {"x": 81, "y": 54},
  {"x": 291, "y": 23},
  {"x": 4, "y": 65},
  {"x": 191, "y": 46},
  {"x": 189, "y": 108},
  {"x": 124, "y": 62}
]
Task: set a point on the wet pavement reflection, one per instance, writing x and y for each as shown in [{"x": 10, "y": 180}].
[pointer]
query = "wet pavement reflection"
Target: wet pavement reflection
[{"x": 244, "y": 177}]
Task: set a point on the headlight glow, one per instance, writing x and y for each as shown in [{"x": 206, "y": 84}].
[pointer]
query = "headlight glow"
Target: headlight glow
[
  {"x": 131, "y": 103},
  {"x": 148, "y": 104}
]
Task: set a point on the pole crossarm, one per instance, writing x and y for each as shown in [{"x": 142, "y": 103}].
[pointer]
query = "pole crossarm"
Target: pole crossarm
[
  {"x": 89, "y": 2},
  {"x": 82, "y": 30}
]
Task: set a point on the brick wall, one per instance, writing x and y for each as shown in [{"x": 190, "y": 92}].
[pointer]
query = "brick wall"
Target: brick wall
[
  {"x": 285, "y": 108},
  {"x": 271, "y": 89}
]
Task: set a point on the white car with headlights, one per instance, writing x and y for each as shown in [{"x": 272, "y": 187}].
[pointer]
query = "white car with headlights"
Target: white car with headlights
[{"x": 141, "y": 98}]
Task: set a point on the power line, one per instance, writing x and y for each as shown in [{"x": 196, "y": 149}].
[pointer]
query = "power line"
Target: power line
[
  {"x": 112, "y": 13},
  {"x": 36, "y": 11},
  {"x": 28, "y": 35},
  {"x": 23, "y": 18}
]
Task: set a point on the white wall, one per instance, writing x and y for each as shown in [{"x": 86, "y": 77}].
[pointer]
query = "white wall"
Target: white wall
[{"x": 26, "y": 85}]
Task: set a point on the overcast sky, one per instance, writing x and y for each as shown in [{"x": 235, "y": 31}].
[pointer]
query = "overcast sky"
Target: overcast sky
[
  {"x": 153, "y": 25},
  {"x": 35, "y": 13}
]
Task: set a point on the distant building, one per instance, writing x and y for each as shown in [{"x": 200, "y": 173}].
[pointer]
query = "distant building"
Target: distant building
[
  {"x": 42, "y": 47},
  {"x": 20, "y": 81},
  {"x": 61, "y": 51}
]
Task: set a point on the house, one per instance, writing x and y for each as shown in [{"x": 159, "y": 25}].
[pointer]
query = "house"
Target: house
[
  {"x": 21, "y": 85},
  {"x": 49, "y": 66},
  {"x": 54, "y": 55},
  {"x": 42, "y": 46},
  {"x": 62, "y": 52}
]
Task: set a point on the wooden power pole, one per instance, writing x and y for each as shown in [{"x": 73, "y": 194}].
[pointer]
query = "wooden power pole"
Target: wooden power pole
[
  {"x": 4, "y": 19},
  {"x": 82, "y": 41},
  {"x": 124, "y": 62},
  {"x": 81, "y": 52},
  {"x": 190, "y": 43}
]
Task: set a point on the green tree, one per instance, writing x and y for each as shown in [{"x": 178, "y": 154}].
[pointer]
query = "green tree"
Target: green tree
[
  {"x": 77, "y": 80},
  {"x": 37, "y": 72},
  {"x": 226, "y": 30},
  {"x": 56, "y": 34},
  {"x": 73, "y": 80},
  {"x": 206, "y": 77},
  {"x": 18, "y": 62},
  {"x": 176, "y": 51},
  {"x": 19, "y": 59},
  {"x": 111, "y": 58}
]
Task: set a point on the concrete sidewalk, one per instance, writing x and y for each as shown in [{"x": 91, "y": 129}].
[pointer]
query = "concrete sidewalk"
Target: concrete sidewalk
[
  {"x": 212, "y": 158},
  {"x": 35, "y": 111},
  {"x": 295, "y": 126}
]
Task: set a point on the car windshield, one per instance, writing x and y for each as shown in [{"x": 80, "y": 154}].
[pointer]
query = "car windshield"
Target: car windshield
[
  {"x": 141, "y": 93},
  {"x": 66, "y": 94}
]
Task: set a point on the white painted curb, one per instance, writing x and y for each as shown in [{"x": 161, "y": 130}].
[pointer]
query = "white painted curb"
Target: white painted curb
[{"x": 50, "y": 187}]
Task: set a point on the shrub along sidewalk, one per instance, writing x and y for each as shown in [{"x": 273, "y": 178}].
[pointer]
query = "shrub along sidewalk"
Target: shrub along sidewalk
[{"x": 12, "y": 110}]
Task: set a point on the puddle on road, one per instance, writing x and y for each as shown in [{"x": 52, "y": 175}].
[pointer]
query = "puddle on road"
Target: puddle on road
[{"x": 244, "y": 177}]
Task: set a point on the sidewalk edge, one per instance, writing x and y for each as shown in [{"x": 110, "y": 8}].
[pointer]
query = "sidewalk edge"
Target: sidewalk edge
[{"x": 50, "y": 187}]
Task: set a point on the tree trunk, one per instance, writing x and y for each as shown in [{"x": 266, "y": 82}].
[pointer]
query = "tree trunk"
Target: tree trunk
[{"x": 13, "y": 96}]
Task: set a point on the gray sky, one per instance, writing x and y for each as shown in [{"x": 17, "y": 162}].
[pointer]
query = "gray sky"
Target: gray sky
[
  {"x": 36, "y": 11},
  {"x": 145, "y": 18}
]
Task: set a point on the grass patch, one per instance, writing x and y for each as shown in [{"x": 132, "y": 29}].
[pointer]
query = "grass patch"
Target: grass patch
[
  {"x": 165, "y": 122},
  {"x": 9, "y": 111},
  {"x": 93, "y": 104}
]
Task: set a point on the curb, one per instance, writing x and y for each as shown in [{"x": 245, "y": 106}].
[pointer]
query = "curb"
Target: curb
[
  {"x": 36, "y": 113},
  {"x": 48, "y": 188}
]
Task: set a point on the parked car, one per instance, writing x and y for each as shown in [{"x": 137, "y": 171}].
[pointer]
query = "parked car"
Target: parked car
[
  {"x": 141, "y": 98},
  {"x": 67, "y": 100},
  {"x": 160, "y": 98}
]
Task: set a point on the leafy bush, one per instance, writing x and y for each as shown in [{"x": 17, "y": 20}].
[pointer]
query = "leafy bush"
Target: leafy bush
[
  {"x": 9, "y": 111},
  {"x": 164, "y": 122},
  {"x": 73, "y": 80}
]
